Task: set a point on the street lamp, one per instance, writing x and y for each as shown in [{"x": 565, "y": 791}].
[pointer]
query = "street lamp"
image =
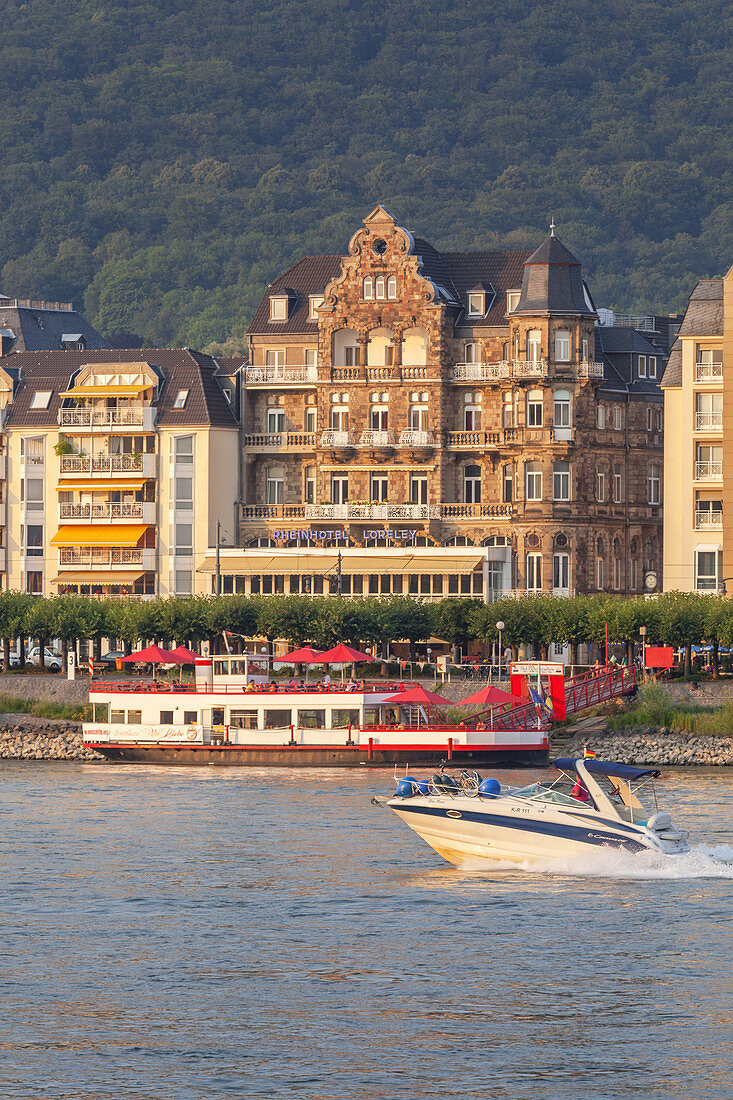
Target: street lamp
[{"x": 500, "y": 627}]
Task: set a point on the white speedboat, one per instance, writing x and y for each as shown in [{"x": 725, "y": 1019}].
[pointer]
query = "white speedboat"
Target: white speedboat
[{"x": 593, "y": 803}]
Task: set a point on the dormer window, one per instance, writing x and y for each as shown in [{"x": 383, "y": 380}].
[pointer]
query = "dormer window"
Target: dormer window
[
  {"x": 181, "y": 398},
  {"x": 512, "y": 300},
  {"x": 41, "y": 399},
  {"x": 279, "y": 308},
  {"x": 476, "y": 304},
  {"x": 315, "y": 301}
]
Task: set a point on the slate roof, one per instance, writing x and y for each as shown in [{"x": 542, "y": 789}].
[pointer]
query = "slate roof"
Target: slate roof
[
  {"x": 615, "y": 347},
  {"x": 41, "y": 329},
  {"x": 180, "y": 367},
  {"x": 704, "y": 314},
  {"x": 552, "y": 282},
  {"x": 673, "y": 371}
]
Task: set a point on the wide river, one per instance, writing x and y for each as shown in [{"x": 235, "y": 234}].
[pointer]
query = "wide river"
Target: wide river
[{"x": 195, "y": 933}]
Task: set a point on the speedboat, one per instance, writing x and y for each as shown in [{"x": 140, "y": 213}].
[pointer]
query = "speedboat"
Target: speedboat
[{"x": 592, "y": 803}]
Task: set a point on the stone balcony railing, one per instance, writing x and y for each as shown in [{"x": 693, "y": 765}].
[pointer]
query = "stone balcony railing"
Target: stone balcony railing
[
  {"x": 286, "y": 376},
  {"x": 272, "y": 441},
  {"x": 708, "y": 520},
  {"x": 352, "y": 511},
  {"x": 143, "y": 416},
  {"x": 385, "y": 512}
]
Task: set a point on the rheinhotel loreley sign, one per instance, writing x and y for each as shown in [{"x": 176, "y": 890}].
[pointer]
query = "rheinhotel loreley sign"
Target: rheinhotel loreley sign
[{"x": 342, "y": 536}]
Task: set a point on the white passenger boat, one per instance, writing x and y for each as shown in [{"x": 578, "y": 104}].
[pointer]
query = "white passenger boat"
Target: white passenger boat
[
  {"x": 593, "y": 803},
  {"x": 235, "y": 714}
]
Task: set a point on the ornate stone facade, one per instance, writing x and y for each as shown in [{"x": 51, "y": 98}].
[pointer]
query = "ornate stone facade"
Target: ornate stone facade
[{"x": 459, "y": 395}]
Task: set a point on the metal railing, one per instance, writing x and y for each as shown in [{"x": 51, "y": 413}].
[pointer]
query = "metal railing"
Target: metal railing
[
  {"x": 332, "y": 438},
  {"x": 412, "y": 438},
  {"x": 103, "y": 557},
  {"x": 709, "y": 372},
  {"x": 709, "y": 421},
  {"x": 106, "y": 464},
  {"x": 708, "y": 520},
  {"x": 590, "y": 370},
  {"x": 287, "y": 376},
  {"x": 529, "y": 368},
  {"x": 708, "y": 471},
  {"x": 107, "y": 510},
  {"x": 376, "y": 439},
  {"x": 387, "y": 512},
  {"x": 107, "y": 418},
  {"x": 481, "y": 372}
]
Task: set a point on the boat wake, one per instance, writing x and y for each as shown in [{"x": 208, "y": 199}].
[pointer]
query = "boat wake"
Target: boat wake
[{"x": 702, "y": 861}]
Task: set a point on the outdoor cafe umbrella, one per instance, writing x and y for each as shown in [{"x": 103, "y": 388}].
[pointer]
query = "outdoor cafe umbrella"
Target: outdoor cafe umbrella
[
  {"x": 183, "y": 656},
  {"x": 418, "y": 694},
  {"x": 151, "y": 655},
  {"x": 306, "y": 655},
  {"x": 343, "y": 655},
  {"x": 491, "y": 697}
]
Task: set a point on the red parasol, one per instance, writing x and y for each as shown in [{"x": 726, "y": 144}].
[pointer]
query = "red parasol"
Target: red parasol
[
  {"x": 152, "y": 655},
  {"x": 183, "y": 656},
  {"x": 491, "y": 697},
  {"x": 306, "y": 655},
  {"x": 418, "y": 694},
  {"x": 343, "y": 655}
]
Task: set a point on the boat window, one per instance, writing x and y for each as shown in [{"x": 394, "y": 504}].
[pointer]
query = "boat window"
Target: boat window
[
  {"x": 541, "y": 793},
  {"x": 117, "y": 717},
  {"x": 340, "y": 719},
  {"x": 371, "y": 716},
  {"x": 243, "y": 719},
  {"x": 134, "y": 717},
  {"x": 238, "y": 667},
  {"x": 190, "y": 717},
  {"x": 100, "y": 712},
  {"x": 167, "y": 716},
  {"x": 277, "y": 719},
  {"x": 311, "y": 719},
  {"x": 221, "y": 668}
]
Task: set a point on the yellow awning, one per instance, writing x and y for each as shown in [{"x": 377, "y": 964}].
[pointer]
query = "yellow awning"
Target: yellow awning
[
  {"x": 101, "y": 534},
  {"x": 371, "y": 562},
  {"x": 126, "y": 390},
  {"x": 90, "y": 577},
  {"x": 98, "y": 485}
]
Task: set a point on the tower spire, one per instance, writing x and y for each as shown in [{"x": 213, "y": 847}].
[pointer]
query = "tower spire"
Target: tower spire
[{"x": 552, "y": 228}]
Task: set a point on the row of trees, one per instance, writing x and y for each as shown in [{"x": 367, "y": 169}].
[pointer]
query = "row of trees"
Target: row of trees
[{"x": 679, "y": 619}]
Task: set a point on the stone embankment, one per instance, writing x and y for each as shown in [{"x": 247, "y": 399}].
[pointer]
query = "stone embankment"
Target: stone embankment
[
  {"x": 23, "y": 737},
  {"x": 652, "y": 747}
]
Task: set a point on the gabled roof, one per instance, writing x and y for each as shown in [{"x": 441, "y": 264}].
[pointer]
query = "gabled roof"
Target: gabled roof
[
  {"x": 673, "y": 370},
  {"x": 181, "y": 369},
  {"x": 308, "y": 276}
]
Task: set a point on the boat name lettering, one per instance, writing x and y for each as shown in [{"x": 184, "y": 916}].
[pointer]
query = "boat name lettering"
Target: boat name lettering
[
  {"x": 521, "y": 809},
  {"x": 318, "y": 536}
]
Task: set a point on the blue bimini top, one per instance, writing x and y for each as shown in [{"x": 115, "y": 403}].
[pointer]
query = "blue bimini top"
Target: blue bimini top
[{"x": 605, "y": 767}]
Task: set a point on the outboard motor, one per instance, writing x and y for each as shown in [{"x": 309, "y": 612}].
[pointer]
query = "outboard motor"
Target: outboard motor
[{"x": 489, "y": 788}]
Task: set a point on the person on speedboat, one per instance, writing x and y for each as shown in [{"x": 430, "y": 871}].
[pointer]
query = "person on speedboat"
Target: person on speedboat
[{"x": 580, "y": 792}]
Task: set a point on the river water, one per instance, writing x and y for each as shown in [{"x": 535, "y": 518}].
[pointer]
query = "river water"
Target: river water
[{"x": 196, "y": 933}]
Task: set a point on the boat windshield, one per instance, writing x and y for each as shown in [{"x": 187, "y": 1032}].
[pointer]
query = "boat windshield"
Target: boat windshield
[{"x": 545, "y": 792}]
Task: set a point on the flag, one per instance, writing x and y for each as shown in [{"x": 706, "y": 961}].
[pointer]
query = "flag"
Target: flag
[
  {"x": 403, "y": 664},
  {"x": 542, "y": 710},
  {"x": 589, "y": 754}
]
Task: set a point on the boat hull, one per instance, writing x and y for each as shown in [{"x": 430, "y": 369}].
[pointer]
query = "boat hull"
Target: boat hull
[
  {"x": 479, "y": 832},
  {"x": 314, "y": 756}
]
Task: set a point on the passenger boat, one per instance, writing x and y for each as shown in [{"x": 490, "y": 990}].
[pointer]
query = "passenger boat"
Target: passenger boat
[
  {"x": 593, "y": 803},
  {"x": 235, "y": 714}
]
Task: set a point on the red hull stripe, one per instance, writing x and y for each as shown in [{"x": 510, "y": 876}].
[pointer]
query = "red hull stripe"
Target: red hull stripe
[{"x": 311, "y": 748}]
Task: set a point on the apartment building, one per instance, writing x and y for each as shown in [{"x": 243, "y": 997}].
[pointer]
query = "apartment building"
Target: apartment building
[
  {"x": 115, "y": 470},
  {"x": 400, "y": 403},
  {"x": 698, "y": 537},
  {"x": 30, "y": 325}
]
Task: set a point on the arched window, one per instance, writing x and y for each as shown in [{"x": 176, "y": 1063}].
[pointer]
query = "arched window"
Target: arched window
[
  {"x": 379, "y": 287},
  {"x": 471, "y": 353},
  {"x": 368, "y": 288},
  {"x": 380, "y": 349},
  {"x": 472, "y": 484},
  {"x": 392, "y": 288},
  {"x": 534, "y": 345},
  {"x": 346, "y": 350}
]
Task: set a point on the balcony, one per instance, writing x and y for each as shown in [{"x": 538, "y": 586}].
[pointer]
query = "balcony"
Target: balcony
[
  {"x": 376, "y": 440},
  {"x": 107, "y": 465},
  {"x": 708, "y": 471},
  {"x": 284, "y": 376},
  {"x": 108, "y": 512},
  {"x": 255, "y": 513},
  {"x": 529, "y": 368},
  {"x": 590, "y": 370},
  {"x": 709, "y": 421},
  {"x": 709, "y": 372},
  {"x": 280, "y": 441},
  {"x": 102, "y": 557},
  {"x": 476, "y": 511},
  {"x": 480, "y": 372},
  {"x": 708, "y": 520},
  {"x": 142, "y": 417},
  {"x": 473, "y": 440},
  {"x": 383, "y": 512},
  {"x": 336, "y": 440},
  {"x": 416, "y": 439}
]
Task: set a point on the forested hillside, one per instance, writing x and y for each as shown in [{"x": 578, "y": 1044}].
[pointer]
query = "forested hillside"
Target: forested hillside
[{"x": 162, "y": 160}]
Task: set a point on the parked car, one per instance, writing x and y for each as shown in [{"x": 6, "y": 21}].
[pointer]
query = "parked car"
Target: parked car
[
  {"x": 109, "y": 660},
  {"x": 51, "y": 659}
]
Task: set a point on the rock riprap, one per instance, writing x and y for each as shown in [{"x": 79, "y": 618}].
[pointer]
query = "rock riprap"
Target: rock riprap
[
  {"x": 26, "y": 738},
  {"x": 653, "y": 747}
]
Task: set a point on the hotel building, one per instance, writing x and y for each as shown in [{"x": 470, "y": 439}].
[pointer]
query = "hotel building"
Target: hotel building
[
  {"x": 442, "y": 424},
  {"x": 115, "y": 469},
  {"x": 698, "y": 402}
]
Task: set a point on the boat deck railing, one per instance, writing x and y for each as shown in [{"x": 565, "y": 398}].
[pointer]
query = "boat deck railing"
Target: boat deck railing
[{"x": 165, "y": 687}]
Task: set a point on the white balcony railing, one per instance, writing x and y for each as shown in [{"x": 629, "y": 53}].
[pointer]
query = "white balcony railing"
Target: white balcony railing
[
  {"x": 708, "y": 471},
  {"x": 108, "y": 419},
  {"x": 75, "y": 465},
  {"x": 376, "y": 439},
  {"x": 411, "y": 438},
  {"x": 708, "y": 520},
  {"x": 333, "y": 438},
  {"x": 287, "y": 376},
  {"x": 109, "y": 511},
  {"x": 481, "y": 372},
  {"x": 708, "y": 372},
  {"x": 98, "y": 557},
  {"x": 532, "y": 368},
  {"x": 590, "y": 370},
  {"x": 709, "y": 421}
]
